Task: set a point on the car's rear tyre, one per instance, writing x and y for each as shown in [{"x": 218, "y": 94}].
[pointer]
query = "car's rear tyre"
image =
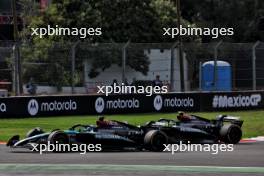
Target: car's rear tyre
[
  {"x": 154, "y": 140},
  {"x": 34, "y": 132},
  {"x": 230, "y": 133},
  {"x": 58, "y": 137}
]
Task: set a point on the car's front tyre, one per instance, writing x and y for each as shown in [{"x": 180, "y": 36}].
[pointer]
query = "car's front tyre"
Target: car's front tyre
[{"x": 58, "y": 137}]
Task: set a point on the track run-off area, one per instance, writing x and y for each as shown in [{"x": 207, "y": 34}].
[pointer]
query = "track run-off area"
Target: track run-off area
[{"x": 247, "y": 158}]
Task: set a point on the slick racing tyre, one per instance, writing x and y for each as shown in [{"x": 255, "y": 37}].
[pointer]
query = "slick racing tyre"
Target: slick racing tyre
[
  {"x": 154, "y": 140},
  {"x": 230, "y": 133},
  {"x": 34, "y": 132},
  {"x": 58, "y": 137}
]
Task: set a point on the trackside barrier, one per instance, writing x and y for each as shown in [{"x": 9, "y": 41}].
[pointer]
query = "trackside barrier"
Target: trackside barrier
[{"x": 132, "y": 103}]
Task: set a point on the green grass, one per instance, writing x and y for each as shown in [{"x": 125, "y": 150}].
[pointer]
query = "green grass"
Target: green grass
[{"x": 253, "y": 122}]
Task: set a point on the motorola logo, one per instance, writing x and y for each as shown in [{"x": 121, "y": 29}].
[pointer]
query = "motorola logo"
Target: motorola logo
[
  {"x": 99, "y": 105},
  {"x": 2, "y": 107},
  {"x": 158, "y": 102},
  {"x": 33, "y": 107}
]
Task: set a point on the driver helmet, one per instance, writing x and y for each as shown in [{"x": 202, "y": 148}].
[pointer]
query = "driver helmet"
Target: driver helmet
[{"x": 101, "y": 118}]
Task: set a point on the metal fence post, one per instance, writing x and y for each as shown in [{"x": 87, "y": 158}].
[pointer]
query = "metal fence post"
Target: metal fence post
[
  {"x": 73, "y": 52},
  {"x": 254, "y": 82},
  {"x": 124, "y": 55},
  {"x": 172, "y": 81},
  {"x": 215, "y": 62},
  {"x": 13, "y": 72},
  {"x": 200, "y": 76},
  {"x": 16, "y": 78}
]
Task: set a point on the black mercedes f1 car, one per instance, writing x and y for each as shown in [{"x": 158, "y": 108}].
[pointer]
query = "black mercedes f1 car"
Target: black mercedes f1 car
[{"x": 151, "y": 136}]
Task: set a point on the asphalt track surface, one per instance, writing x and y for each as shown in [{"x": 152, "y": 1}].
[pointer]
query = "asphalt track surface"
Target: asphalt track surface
[{"x": 246, "y": 159}]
